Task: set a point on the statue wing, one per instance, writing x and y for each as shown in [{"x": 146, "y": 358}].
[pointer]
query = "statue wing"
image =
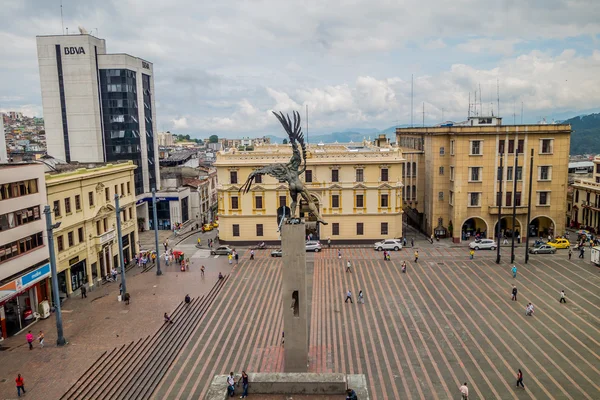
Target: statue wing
[
  {"x": 294, "y": 131},
  {"x": 277, "y": 171}
]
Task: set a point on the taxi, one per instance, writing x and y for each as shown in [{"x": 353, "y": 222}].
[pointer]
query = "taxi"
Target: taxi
[
  {"x": 215, "y": 224},
  {"x": 560, "y": 243},
  {"x": 207, "y": 227}
]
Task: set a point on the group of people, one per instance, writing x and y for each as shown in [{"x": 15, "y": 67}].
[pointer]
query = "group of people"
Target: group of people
[
  {"x": 234, "y": 256},
  {"x": 144, "y": 257},
  {"x": 30, "y": 339}
]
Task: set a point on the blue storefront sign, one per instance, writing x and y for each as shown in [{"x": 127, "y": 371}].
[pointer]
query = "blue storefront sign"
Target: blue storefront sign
[{"x": 36, "y": 275}]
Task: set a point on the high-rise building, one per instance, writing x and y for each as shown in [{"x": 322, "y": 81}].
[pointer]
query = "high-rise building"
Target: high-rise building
[
  {"x": 3, "y": 152},
  {"x": 99, "y": 107}
]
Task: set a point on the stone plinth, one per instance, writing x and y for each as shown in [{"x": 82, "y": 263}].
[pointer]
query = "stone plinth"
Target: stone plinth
[{"x": 295, "y": 299}]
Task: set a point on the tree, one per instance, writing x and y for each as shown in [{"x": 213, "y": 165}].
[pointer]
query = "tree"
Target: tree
[
  {"x": 285, "y": 141},
  {"x": 213, "y": 139}
]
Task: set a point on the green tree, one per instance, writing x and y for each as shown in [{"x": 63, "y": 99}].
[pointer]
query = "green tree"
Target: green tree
[
  {"x": 285, "y": 141},
  {"x": 213, "y": 139}
]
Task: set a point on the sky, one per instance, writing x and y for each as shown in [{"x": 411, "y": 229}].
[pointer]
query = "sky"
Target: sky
[{"x": 221, "y": 67}]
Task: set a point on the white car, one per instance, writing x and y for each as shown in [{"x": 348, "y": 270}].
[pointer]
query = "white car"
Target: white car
[
  {"x": 388, "y": 244},
  {"x": 483, "y": 244},
  {"x": 313, "y": 245}
]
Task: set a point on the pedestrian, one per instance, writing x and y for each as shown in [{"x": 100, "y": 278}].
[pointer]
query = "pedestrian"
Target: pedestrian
[
  {"x": 348, "y": 297},
  {"x": 252, "y": 254},
  {"x": 505, "y": 241},
  {"x": 237, "y": 258},
  {"x": 120, "y": 289},
  {"x": 472, "y": 253},
  {"x": 167, "y": 319},
  {"x": 385, "y": 255},
  {"x": 351, "y": 395},
  {"x": 339, "y": 254},
  {"x": 403, "y": 267},
  {"x": 126, "y": 298},
  {"x": 41, "y": 339},
  {"x": 514, "y": 293},
  {"x": 519, "y": 238},
  {"x": 563, "y": 298},
  {"x": 514, "y": 271},
  {"x": 165, "y": 246},
  {"x": 404, "y": 241},
  {"x": 230, "y": 258},
  {"x": 167, "y": 259},
  {"x": 83, "y": 292},
  {"x": 348, "y": 267},
  {"x": 29, "y": 338},
  {"x": 244, "y": 380},
  {"x": 431, "y": 238},
  {"x": 520, "y": 379},
  {"x": 202, "y": 271},
  {"x": 464, "y": 391},
  {"x": 416, "y": 255},
  {"x": 570, "y": 253},
  {"x": 361, "y": 297},
  {"x": 282, "y": 338},
  {"x": 187, "y": 299},
  {"x": 20, "y": 385},
  {"x": 581, "y": 251},
  {"x": 221, "y": 275},
  {"x": 412, "y": 242},
  {"x": 529, "y": 310},
  {"x": 231, "y": 385},
  {"x": 328, "y": 242},
  {"x": 197, "y": 242},
  {"x": 388, "y": 256},
  {"x": 114, "y": 274}
]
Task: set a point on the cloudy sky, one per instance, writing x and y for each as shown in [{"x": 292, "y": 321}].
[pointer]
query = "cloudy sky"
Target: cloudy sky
[{"x": 221, "y": 66}]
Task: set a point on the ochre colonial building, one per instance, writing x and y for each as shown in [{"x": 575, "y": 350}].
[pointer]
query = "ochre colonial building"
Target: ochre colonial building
[
  {"x": 83, "y": 201},
  {"x": 584, "y": 209},
  {"x": 452, "y": 185},
  {"x": 356, "y": 187}
]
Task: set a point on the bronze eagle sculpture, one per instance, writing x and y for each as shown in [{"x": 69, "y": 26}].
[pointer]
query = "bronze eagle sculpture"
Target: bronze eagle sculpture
[{"x": 291, "y": 171}]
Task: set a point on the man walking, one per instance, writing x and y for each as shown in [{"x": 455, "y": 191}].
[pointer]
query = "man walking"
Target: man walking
[
  {"x": 416, "y": 255},
  {"x": 167, "y": 259},
  {"x": 570, "y": 253},
  {"x": 339, "y": 254},
  {"x": 202, "y": 271},
  {"x": 464, "y": 391},
  {"x": 563, "y": 298},
  {"x": 348, "y": 267},
  {"x": 349, "y": 297},
  {"x": 581, "y": 251},
  {"x": 20, "y": 385},
  {"x": 83, "y": 292},
  {"x": 514, "y": 271},
  {"x": 514, "y": 293},
  {"x": 230, "y": 385},
  {"x": 329, "y": 242},
  {"x": 412, "y": 242},
  {"x": 237, "y": 258}
]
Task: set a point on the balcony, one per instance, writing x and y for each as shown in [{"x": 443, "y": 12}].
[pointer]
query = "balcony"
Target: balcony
[
  {"x": 105, "y": 238},
  {"x": 521, "y": 210},
  {"x": 589, "y": 204}
]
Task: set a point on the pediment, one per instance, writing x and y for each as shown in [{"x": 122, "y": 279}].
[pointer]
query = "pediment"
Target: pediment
[
  {"x": 335, "y": 186},
  {"x": 385, "y": 186},
  {"x": 359, "y": 186},
  {"x": 104, "y": 210},
  {"x": 257, "y": 188},
  {"x": 282, "y": 187}
]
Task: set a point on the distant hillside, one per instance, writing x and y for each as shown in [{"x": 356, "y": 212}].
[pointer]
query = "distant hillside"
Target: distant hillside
[{"x": 585, "y": 138}]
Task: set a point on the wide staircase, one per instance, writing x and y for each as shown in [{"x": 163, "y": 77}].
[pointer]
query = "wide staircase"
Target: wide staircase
[{"x": 134, "y": 370}]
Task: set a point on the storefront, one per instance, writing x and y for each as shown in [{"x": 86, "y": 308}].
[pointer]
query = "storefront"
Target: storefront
[
  {"x": 78, "y": 273},
  {"x": 19, "y": 300}
]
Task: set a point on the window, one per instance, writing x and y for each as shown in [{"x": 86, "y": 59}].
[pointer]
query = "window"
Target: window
[
  {"x": 452, "y": 147},
  {"x": 546, "y": 146},
  {"x": 98, "y": 229},
  {"x": 233, "y": 177},
  {"x": 308, "y": 176},
  {"x": 70, "y": 239},
  {"x": 21, "y": 246},
  {"x": 414, "y": 192},
  {"x": 384, "y": 201},
  {"x": 91, "y": 198},
  {"x": 511, "y": 146},
  {"x": 259, "y": 229},
  {"x": 20, "y": 217},
  {"x": 499, "y": 173},
  {"x": 474, "y": 174},
  {"x": 451, "y": 198},
  {"x": 519, "y": 176},
  {"x": 518, "y": 199},
  {"x": 501, "y": 147},
  {"x": 258, "y": 202},
  {"x": 60, "y": 243},
  {"x": 407, "y": 193},
  {"x": 509, "y": 173},
  {"x": 105, "y": 223},
  {"x": 335, "y": 201},
  {"x": 128, "y": 188},
  {"x": 384, "y": 174},
  {"x": 359, "y": 228},
  {"x": 107, "y": 194},
  {"x": 282, "y": 201},
  {"x": 441, "y": 170},
  {"x": 498, "y": 199},
  {"x": 508, "y": 198},
  {"x": 116, "y": 190},
  {"x": 234, "y": 203},
  {"x": 56, "y": 207},
  {"x": 335, "y": 229},
  {"x": 68, "y": 205},
  {"x": 18, "y": 189},
  {"x": 130, "y": 212},
  {"x": 122, "y": 189},
  {"x": 474, "y": 199},
  {"x": 335, "y": 175},
  {"x": 408, "y": 169},
  {"x": 544, "y": 173},
  {"x": 414, "y": 169},
  {"x": 598, "y": 168},
  {"x": 577, "y": 196},
  {"x": 384, "y": 228},
  {"x": 543, "y": 198},
  {"x": 258, "y": 179},
  {"x": 442, "y": 151},
  {"x": 403, "y": 170},
  {"x": 236, "y": 230},
  {"x": 451, "y": 173},
  {"x": 359, "y": 175},
  {"x": 80, "y": 234},
  {"x": 360, "y": 201},
  {"x": 441, "y": 196},
  {"x": 521, "y": 146},
  {"x": 475, "y": 148},
  {"x": 77, "y": 202}
]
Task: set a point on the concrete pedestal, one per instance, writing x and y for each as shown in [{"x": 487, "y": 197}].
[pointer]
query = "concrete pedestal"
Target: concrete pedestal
[{"x": 295, "y": 299}]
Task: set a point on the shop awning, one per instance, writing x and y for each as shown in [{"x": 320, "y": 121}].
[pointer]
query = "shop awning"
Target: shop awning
[{"x": 11, "y": 289}]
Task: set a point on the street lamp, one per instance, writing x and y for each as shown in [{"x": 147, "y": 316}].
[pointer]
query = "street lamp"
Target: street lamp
[
  {"x": 60, "y": 341},
  {"x": 120, "y": 241},
  {"x": 155, "y": 223}
]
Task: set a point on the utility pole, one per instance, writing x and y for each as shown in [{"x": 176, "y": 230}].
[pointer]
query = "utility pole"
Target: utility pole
[
  {"x": 499, "y": 201},
  {"x": 60, "y": 341},
  {"x": 155, "y": 226},
  {"x": 529, "y": 208},
  {"x": 514, "y": 211},
  {"x": 120, "y": 241}
]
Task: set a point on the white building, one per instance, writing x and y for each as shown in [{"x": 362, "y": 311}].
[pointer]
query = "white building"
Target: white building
[
  {"x": 24, "y": 267},
  {"x": 99, "y": 107},
  {"x": 3, "y": 152},
  {"x": 165, "y": 139}
]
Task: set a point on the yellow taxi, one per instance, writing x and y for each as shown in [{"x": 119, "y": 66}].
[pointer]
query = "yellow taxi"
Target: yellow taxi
[
  {"x": 215, "y": 224},
  {"x": 207, "y": 227},
  {"x": 560, "y": 243}
]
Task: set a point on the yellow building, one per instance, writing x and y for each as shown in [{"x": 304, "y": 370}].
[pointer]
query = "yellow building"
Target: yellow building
[
  {"x": 83, "y": 201},
  {"x": 452, "y": 173},
  {"x": 356, "y": 187},
  {"x": 584, "y": 209}
]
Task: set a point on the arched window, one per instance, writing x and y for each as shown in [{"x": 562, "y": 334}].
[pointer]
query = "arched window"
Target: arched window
[
  {"x": 404, "y": 193},
  {"x": 414, "y": 169},
  {"x": 414, "y": 192},
  {"x": 403, "y": 170},
  {"x": 408, "y": 193},
  {"x": 407, "y": 169}
]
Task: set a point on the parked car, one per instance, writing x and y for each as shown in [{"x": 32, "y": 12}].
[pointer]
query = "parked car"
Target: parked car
[
  {"x": 207, "y": 227},
  {"x": 560, "y": 243},
  {"x": 388, "y": 244},
  {"x": 313, "y": 245},
  {"x": 215, "y": 224},
  {"x": 543, "y": 249},
  {"x": 222, "y": 251},
  {"x": 483, "y": 244},
  {"x": 276, "y": 253}
]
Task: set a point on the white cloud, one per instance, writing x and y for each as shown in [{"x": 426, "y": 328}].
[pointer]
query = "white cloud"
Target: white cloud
[
  {"x": 486, "y": 45},
  {"x": 180, "y": 123}
]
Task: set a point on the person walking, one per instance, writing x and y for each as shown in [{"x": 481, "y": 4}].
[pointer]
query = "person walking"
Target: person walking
[
  {"x": 570, "y": 252},
  {"x": 348, "y": 297},
  {"x": 237, "y": 258},
  {"x": 231, "y": 385},
  {"x": 29, "y": 338},
  {"x": 361, "y": 297},
  {"x": 472, "y": 253},
  {"x": 166, "y": 259},
  {"x": 514, "y": 293},
  {"x": 581, "y": 251},
  {"x": 563, "y": 298},
  {"x": 252, "y": 254},
  {"x": 348, "y": 267},
  {"x": 529, "y": 310},
  {"x": 83, "y": 292},
  {"x": 520, "y": 379},
  {"x": 230, "y": 258},
  {"x": 167, "y": 319},
  {"x": 351, "y": 394},
  {"x": 464, "y": 391},
  {"x": 41, "y": 339},
  {"x": 328, "y": 242},
  {"x": 403, "y": 267},
  {"x": 416, "y": 255},
  {"x": 339, "y": 254},
  {"x": 202, "y": 271},
  {"x": 244, "y": 380},
  {"x": 412, "y": 242},
  {"x": 165, "y": 245},
  {"x": 385, "y": 255},
  {"x": 20, "y": 385},
  {"x": 514, "y": 271}
]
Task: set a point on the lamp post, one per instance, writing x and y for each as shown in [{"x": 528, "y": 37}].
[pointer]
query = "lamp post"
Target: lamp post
[
  {"x": 514, "y": 210},
  {"x": 60, "y": 341},
  {"x": 529, "y": 208},
  {"x": 120, "y": 241},
  {"x": 155, "y": 223},
  {"x": 499, "y": 201}
]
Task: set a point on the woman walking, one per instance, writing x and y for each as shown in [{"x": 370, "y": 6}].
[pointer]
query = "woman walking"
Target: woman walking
[
  {"x": 361, "y": 297},
  {"x": 520, "y": 379}
]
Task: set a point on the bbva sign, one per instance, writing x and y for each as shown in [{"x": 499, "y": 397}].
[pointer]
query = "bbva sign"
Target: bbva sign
[{"x": 74, "y": 50}]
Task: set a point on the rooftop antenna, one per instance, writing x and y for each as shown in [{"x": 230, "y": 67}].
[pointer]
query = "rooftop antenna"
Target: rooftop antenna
[
  {"x": 498, "y": 94},
  {"x": 412, "y": 96},
  {"x": 475, "y": 104},
  {"x": 469, "y": 112},
  {"x": 480, "y": 101},
  {"x": 62, "y": 23}
]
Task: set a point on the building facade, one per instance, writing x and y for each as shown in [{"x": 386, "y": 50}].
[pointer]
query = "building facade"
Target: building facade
[
  {"x": 465, "y": 173},
  {"x": 83, "y": 201},
  {"x": 356, "y": 187},
  {"x": 99, "y": 107},
  {"x": 24, "y": 267},
  {"x": 584, "y": 208}
]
